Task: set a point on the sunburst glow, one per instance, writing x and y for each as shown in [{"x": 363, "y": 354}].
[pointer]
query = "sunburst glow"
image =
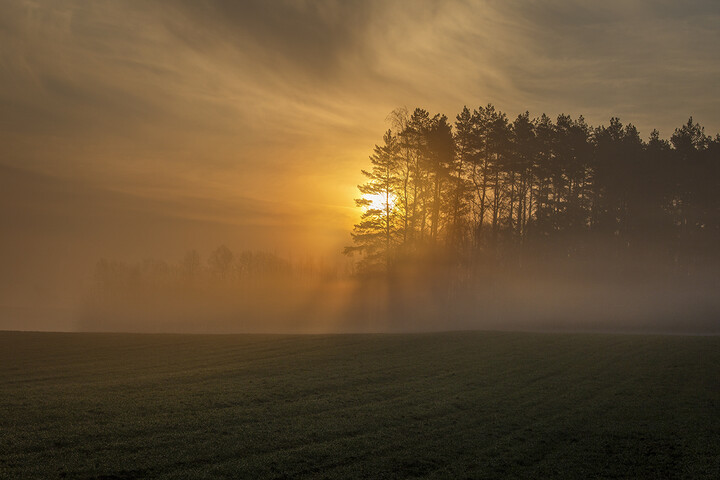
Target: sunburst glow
[{"x": 378, "y": 201}]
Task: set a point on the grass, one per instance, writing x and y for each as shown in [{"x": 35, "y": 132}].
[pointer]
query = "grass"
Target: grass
[{"x": 450, "y": 405}]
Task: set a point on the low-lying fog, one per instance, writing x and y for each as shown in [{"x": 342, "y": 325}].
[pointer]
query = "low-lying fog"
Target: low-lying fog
[{"x": 260, "y": 292}]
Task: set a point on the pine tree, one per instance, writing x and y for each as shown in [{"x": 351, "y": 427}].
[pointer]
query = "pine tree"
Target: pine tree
[
  {"x": 375, "y": 235},
  {"x": 466, "y": 153}
]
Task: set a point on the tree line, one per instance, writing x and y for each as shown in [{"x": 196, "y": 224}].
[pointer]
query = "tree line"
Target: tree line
[
  {"x": 222, "y": 267},
  {"x": 487, "y": 187}
]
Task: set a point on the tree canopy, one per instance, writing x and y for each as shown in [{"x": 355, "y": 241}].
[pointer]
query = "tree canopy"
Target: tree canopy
[{"x": 488, "y": 187}]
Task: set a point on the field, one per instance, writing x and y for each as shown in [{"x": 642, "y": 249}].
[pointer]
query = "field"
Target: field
[{"x": 449, "y": 405}]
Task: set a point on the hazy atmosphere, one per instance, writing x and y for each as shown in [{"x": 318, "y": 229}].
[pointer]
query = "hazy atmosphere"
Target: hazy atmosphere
[
  {"x": 359, "y": 239},
  {"x": 140, "y": 131}
]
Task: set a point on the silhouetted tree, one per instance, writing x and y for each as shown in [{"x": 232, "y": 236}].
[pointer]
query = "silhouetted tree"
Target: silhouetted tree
[
  {"x": 491, "y": 184},
  {"x": 191, "y": 263},
  {"x": 374, "y": 236},
  {"x": 466, "y": 153},
  {"x": 220, "y": 261}
]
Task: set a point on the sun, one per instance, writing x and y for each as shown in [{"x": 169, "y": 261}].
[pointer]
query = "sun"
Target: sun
[{"x": 378, "y": 202}]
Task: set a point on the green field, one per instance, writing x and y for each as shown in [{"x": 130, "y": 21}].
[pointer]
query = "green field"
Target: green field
[{"x": 450, "y": 405}]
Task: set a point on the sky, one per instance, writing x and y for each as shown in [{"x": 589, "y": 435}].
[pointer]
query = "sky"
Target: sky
[{"x": 145, "y": 128}]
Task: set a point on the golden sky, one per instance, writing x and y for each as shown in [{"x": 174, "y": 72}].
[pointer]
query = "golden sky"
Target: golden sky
[{"x": 145, "y": 128}]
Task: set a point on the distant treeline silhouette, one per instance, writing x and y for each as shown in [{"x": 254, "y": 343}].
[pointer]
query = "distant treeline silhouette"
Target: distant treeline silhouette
[
  {"x": 221, "y": 268},
  {"x": 489, "y": 188},
  {"x": 220, "y": 292}
]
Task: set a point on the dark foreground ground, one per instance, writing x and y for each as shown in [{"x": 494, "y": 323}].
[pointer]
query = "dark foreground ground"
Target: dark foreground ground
[{"x": 454, "y": 405}]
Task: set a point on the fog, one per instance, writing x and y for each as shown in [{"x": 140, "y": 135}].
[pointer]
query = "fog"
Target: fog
[
  {"x": 87, "y": 290},
  {"x": 258, "y": 292},
  {"x": 55, "y": 230}
]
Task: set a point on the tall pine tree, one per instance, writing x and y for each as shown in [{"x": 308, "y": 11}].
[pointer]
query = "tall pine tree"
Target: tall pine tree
[{"x": 375, "y": 235}]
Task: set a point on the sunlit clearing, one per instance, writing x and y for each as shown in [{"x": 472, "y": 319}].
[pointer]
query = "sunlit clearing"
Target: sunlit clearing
[{"x": 378, "y": 201}]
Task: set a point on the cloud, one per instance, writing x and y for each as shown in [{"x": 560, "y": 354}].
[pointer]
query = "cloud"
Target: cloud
[{"x": 243, "y": 75}]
